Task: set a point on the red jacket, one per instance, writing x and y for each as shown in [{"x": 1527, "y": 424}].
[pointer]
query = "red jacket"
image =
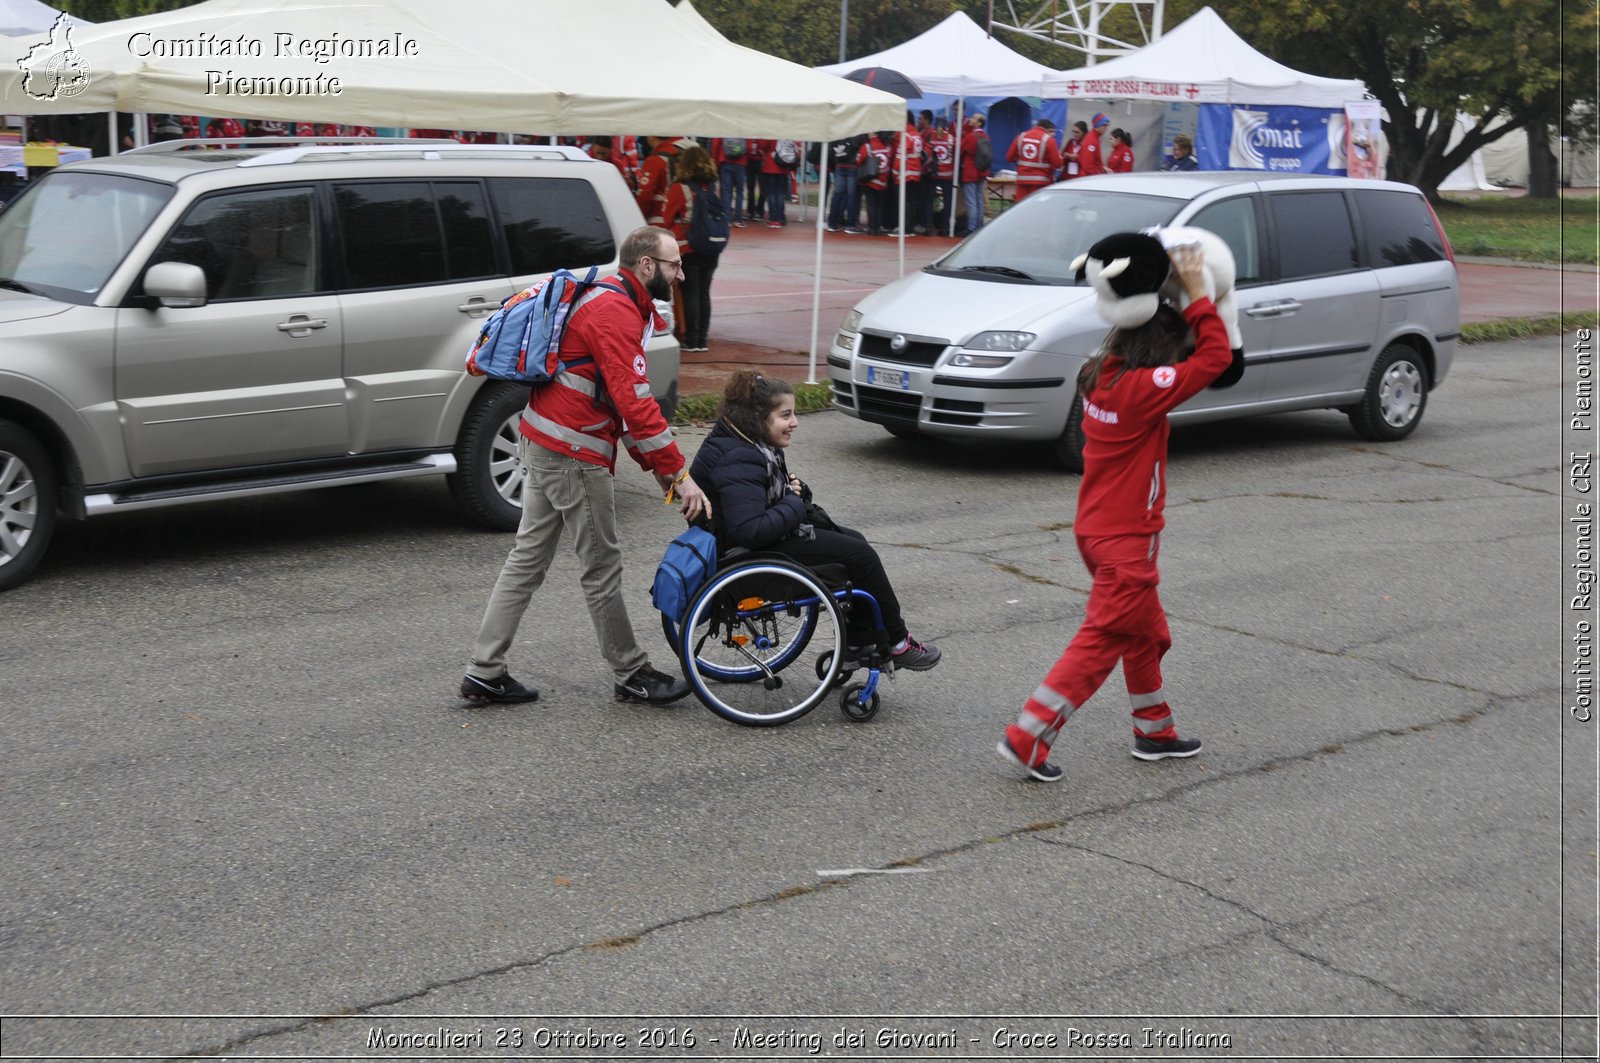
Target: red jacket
[
  {"x": 911, "y": 146},
  {"x": 943, "y": 146},
  {"x": 586, "y": 410},
  {"x": 1120, "y": 159},
  {"x": 1125, "y": 430},
  {"x": 680, "y": 213},
  {"x": 885, "y": 154},
  {"x": 1037, "y": 156},
  {"x": 1091, "y": 159},
  {"x": 654, "y": 178},
  {"x": 969, "y": 155}
]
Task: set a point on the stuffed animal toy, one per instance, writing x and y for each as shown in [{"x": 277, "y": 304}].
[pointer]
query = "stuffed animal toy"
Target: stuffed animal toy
[{"x": 1131, "y": 274}]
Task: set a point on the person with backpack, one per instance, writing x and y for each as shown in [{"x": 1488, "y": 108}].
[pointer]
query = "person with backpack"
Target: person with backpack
[
  {"x": 761, "y": 506},
  {"x": 872, "y": 173},
  {"x": 729, "y": 155},
  {"x": 977, "y": 157},
  {"x": 775, "y": 171},
  {"x": 655, "y": 175},
  {"x": 696, "y": 217},
  {"x": 567, "y": 441}
]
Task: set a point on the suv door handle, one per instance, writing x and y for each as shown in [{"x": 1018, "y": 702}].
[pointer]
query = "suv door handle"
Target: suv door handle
[
  {"x": 1288, "y": 306},
  {"x": 302, "y": 324},
  {"x": 476, "y": 305}
]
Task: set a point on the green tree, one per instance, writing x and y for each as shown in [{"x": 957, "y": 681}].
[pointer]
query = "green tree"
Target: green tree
[{"x": 1501, "y": 65}]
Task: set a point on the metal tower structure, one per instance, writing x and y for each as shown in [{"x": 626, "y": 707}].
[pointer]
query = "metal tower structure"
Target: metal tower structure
[{"x": 1080, "y": 25}]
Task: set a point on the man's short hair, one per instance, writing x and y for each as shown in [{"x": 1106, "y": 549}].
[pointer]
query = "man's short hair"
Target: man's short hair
[
  {"x": 644, "y": 242},
  {"x": 1045, "y": 123},
  {"x": 979, "y": 119}
]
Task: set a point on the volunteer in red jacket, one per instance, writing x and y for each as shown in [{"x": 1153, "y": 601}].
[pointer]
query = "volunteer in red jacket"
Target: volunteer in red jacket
[
  {"x": 654, "y": 177},
  {"x": 875, "y": 189},
  {"x": 1091, "y": 153},
  {"x": 1037, "y": 157},
  {"x": 568, "y": 444},
  {"x": 1121, "y": 158},
  {"x": 1128, "y": 390}
]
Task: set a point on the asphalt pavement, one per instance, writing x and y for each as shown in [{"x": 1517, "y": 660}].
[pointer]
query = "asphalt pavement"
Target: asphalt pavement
[{"x": 243, "y": 814}]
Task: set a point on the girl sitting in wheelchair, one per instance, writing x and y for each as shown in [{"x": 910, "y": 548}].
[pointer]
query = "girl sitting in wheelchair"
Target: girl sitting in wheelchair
[{"x": 758, "y": 505}]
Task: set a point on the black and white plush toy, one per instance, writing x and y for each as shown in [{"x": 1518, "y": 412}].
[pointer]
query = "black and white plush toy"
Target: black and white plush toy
[{"x": 1131, "y": 274}]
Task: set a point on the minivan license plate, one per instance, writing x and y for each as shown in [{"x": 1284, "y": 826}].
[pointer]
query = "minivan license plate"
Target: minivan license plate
[{"x": 889, "y": 378}]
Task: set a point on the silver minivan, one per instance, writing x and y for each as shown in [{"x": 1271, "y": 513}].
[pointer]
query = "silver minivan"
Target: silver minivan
[
  {"x": 204, "y": 320},
  {"x": 1346, "y": 289}
]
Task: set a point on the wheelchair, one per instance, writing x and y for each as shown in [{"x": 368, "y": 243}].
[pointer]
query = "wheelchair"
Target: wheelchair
[{"x": 758, "y": 615}]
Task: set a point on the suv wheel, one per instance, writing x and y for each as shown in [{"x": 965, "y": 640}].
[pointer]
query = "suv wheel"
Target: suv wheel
[
  {"x": 487, "y": 483},
  {"x": 28, "y": 497},
  {"x": 1069, "y": 448},
  {"x": 1397, "y": 393}
]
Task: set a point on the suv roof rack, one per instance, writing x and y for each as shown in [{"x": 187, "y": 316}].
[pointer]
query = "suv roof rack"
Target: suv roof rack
[
  {"x": 174, "y": 147},
  {"x": 426, "y": 149}
]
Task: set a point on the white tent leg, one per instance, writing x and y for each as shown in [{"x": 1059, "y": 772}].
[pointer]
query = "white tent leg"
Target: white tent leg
[
  {"x": 955, "y": 177},
  {"x": 816, "y": 268},
  {"x": 901, "y": 228}
]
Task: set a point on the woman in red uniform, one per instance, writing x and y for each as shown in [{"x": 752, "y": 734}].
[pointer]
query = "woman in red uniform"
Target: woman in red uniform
[
  {"x": 1121, "y": 158},
  {"x": 1128, "y": 389}
]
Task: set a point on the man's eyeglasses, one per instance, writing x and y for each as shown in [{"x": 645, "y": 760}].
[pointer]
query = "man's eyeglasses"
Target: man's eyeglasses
[{"x": 674, "y": 264}]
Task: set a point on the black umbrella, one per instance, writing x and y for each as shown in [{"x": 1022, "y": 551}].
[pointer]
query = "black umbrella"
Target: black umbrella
[{"x": 881, "y": 77}]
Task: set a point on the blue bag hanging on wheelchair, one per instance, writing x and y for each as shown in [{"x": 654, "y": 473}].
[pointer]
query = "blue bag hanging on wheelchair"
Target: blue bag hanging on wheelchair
[{"x": 690, "y": 560}]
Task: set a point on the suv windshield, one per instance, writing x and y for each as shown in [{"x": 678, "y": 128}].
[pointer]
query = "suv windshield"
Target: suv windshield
[
  {"x": 63, "y": 237},
  {"x": 1037, "y": 239}
]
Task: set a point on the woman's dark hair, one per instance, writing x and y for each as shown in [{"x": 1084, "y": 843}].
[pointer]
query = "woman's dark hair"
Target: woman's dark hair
[
  {"x": 1163, "y": 340},
  {"x": 749, "y": 399},
  {"x": 1121, "y": 134}
]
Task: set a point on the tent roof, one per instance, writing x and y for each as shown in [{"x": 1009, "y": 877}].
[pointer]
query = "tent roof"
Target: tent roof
[
  {"x": 1202, "y": 61},
  {"x": 530, "y": 66},
  {"x": 957, "y": 58},
  {"x": 19, "y": 18}
]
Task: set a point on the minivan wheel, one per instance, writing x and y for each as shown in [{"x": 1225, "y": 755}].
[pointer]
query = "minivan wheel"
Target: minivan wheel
[
  {"x": 28, "y": 497},
  {"x": 1069, "y": 447},
  {"x": 487, "y": 483},
  {"x": 1397, "y": 393}
]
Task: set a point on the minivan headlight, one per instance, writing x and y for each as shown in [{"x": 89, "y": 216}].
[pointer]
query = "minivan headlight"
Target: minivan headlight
[
  {"x": 967, "y": 360},
  {"x": 1000, "y": 341},
  {"x": 849, "y": 329}
]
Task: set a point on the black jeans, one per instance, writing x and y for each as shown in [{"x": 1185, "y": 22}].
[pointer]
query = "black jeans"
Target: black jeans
[
  {"x": 865, "y": 570},
  {"x": 696, "y": 288}
]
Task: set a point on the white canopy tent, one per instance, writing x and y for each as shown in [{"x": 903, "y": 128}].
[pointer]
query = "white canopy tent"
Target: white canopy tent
[
  {"x": 545, "y": 66},
  {"x": 1202, "y": 61},
  {"x": 957, "y": 58}
]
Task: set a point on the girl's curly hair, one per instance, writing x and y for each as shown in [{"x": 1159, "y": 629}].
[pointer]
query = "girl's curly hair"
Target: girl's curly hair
[{"x": 748, "y": 400}]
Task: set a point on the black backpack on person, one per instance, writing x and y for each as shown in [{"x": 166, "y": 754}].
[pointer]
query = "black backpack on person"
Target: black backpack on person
[{"x": 983, "y": 154}]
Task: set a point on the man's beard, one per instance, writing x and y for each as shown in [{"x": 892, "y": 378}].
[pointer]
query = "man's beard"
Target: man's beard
[{"x": 659, "y": 286}]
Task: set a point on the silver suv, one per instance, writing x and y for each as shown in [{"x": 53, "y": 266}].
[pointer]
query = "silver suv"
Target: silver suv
[
  {"x": 1346, "y": 289},
  {"x": 195, "y": 321}
]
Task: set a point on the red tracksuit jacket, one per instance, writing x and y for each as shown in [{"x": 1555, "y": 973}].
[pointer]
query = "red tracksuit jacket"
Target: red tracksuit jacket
[{"x": 1124, "y": 486}]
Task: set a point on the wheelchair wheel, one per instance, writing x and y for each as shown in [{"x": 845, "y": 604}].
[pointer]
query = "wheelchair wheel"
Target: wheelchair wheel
[
  {"x": 744, "y": 627},
  {"x": 851, "y": 704}
]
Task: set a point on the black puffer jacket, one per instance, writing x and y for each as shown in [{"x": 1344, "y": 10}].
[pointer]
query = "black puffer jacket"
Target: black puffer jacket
[{"x": 752, "y": 505}]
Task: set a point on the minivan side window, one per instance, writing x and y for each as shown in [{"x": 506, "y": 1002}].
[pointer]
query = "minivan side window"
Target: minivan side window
[
  {"x": 403, "y": 233},
  {"x": 1235, "y": 221},
  {"x": 550, "y": 223},
  {"x": 1313, "y": 234},
  {"x": 1398, "y": 227},
  {"x": 257, "y": 244}
]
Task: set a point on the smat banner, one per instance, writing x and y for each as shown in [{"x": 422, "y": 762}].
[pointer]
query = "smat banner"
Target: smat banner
[{"x": 1276, "y": 139}]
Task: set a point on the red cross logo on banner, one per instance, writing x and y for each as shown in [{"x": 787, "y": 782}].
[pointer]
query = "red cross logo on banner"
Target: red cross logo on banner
[{"x": 1192, "y": 91}]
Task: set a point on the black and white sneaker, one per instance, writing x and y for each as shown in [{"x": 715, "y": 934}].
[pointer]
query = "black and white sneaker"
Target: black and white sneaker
[
  {"x": 1149, "y": 749},
  {"x": 1043, "y": 772},
  {"x": 502, "y": 690},
  {"x": 649, "y": 685}
]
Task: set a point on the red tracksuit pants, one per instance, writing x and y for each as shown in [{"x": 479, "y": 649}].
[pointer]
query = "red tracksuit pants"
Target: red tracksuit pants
[{"x": 1124, "y": 621}]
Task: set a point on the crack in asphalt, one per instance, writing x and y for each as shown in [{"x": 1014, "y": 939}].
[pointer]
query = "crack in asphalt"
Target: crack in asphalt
[
  {"x": 1028, "y": 831},
  {"x": 1273, "y": 928}
]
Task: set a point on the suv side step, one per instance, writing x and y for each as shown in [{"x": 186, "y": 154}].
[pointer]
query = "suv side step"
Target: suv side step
[{"x": 247, "y": 486}]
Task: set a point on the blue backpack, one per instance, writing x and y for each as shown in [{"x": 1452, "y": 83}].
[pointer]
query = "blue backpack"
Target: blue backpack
[
  {"x": 520, "y": 340},
  {"x": 690, "y": 560},
  {"x": 708, "y": 222}
]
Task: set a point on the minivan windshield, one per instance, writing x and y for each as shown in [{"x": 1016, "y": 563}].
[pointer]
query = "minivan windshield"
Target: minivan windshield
[
  {"x": 63, "y": 237},
  {"x": 1036, "y": 240}
]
